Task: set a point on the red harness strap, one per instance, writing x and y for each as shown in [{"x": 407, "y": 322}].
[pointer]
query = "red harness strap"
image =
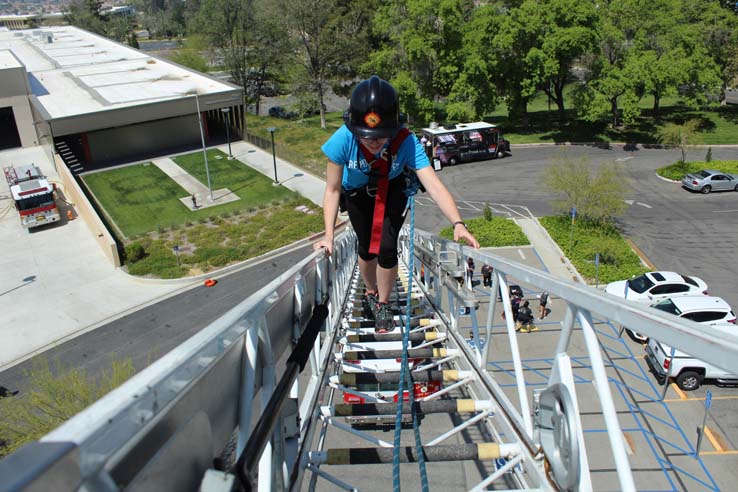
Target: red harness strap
[{"x": 380, "y": 167}]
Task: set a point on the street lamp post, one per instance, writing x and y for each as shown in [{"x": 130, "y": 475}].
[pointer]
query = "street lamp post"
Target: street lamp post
[
  {"x": 228, "y": 131},
  {"x": 204, "y": 152},
  {"x": 271, "y": 130}
]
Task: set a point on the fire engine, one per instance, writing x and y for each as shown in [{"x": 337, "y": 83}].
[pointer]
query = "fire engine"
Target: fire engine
[{"x": 32, "y": 194}]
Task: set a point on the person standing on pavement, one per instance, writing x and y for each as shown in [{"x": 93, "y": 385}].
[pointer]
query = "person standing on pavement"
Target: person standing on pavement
[
  {"x": 486, "y": 275},
  {"x": 542, "y": 301},
  {"x": 371, "y": 161},
  {"x": 525, "y": 318}
]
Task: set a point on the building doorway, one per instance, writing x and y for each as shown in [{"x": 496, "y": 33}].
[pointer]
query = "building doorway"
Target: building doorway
[{"x": 9, "y": 137}]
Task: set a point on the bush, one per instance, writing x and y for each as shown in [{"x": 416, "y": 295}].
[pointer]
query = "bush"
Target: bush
[
  {"x": 134, "y": 252},
  {"x": 617, "y": 259},
  {"x": 679, "y": 169},
  {"x": 487, "y": 213},
  {"x": 53, "y": 398},
  {"x": 495, "y": 232}
]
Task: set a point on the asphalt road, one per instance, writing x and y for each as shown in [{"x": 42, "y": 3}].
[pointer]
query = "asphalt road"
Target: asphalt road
[
  {"x": 148, "y": 334},
  {"x": 677, "y": 229}
]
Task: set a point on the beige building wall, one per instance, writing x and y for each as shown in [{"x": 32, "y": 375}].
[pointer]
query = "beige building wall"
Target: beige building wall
[
  {"x": 14, "y": 93},
  {"x": 84, "y": 209}
]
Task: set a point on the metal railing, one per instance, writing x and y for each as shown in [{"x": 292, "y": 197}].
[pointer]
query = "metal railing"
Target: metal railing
[{"x": 183, "y": 410}]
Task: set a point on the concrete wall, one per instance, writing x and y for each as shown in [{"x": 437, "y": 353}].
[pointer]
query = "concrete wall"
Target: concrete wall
[
  {"x": 13, "y": 82},
  {"x": 132, "y": 115},
  {"x": 128, "y": 142},
  {"x": 84, "y": 209},
  {"x": 23, "y": 118}
]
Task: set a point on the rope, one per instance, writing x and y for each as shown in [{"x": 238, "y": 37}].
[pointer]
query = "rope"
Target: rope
[{"x": 405, "y": 378}]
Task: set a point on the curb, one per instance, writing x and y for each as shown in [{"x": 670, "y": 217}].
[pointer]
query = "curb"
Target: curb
[
  {"x": 564, "y": 259},
  {"x": 631, "y": 146},
  {"x": 644, "y": 259}
]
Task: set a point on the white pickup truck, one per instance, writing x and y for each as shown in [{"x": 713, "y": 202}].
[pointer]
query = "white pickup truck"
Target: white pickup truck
[{"x": 688, "y": 371}]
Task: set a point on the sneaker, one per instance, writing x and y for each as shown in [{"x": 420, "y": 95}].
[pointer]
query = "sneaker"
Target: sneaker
[
  {"x": 370, "y": 304},
  {"x": 533, "y": 328},
  {"x": 524, "y": 329},
  {"x": 383, "y": 317}
]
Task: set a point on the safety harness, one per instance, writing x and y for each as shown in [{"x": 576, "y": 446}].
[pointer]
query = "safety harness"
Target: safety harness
[{"x": 379, "y": 180}]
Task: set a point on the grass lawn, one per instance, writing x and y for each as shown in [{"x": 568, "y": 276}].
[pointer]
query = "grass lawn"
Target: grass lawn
[
  {"x": 617, "y": 259},
  {"x": 141, "y": 198},
  {"x": 492, "y": 232},
  {"x": 719, "y": 125},
  {"x": 678, "y": 170}
]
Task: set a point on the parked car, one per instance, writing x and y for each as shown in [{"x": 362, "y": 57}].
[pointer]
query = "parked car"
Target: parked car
[
  {"x": 281, "y": 112},
  {"x": 709, "y": 180},
  {"x": 706, "y": 310},
  {"x": 688, "y": 371},
  {"x": 653, "y": 286}
]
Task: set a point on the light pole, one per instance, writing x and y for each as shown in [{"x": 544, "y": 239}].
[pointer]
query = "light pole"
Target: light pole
[
  {"x": 204, "y": 152},
  {"x": 271, "y": 130},
  {"x": 228, "y": 131}
]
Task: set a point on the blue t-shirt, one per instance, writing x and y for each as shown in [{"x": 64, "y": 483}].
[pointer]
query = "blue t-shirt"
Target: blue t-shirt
[{"x": 343, "y": 149}]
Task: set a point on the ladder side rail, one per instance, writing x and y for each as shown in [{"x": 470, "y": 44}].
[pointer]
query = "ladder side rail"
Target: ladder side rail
[
  {"x": 693, "y": 338},
  {"x": 147, "y": 410},
  {"x": 582, "y": 302}
]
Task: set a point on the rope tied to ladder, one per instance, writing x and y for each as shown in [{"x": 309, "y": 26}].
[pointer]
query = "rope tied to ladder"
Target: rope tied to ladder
[{"x": 405, "y": 378}]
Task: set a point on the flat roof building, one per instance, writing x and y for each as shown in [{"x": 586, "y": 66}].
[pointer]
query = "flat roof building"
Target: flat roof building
[{"x": 102, "y": 101}]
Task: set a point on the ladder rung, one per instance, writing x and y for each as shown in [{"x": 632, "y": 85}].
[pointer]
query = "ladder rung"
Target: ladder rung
[
  {"x": 356, "y": 378},
  {"x": 408, "y": 454},
  {"x": 424, "y": 407},
  {"x": 427, "y": 353},
  {"x": 425, "y": 336},
  {"x": 369, "y": 323}
]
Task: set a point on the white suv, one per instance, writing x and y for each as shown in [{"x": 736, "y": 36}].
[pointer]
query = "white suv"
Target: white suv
[
  {"x": 688, "y": 372},
  {"x": 707, "y": 310}
]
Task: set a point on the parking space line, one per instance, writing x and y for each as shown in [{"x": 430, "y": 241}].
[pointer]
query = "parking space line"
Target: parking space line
[
  {"x": 715, "y": 439},
  {"x": 700, "y": 399},
  {"x": 682, "y": 395},
  {"x": 522, "y": 255}
]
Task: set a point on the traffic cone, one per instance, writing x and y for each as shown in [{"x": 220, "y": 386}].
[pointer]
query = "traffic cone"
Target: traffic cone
[{"x": 210, "y": 282}]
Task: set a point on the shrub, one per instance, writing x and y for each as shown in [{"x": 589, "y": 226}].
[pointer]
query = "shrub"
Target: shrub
[
  {"x": 498, "y": 231},
  {"x": 487, "y": 213},
  {"x": 134, "y": 252},
  {"x": 53, "y": 397},
  {"x": 678, "y": 170},
  {"x": 617, "y": 259}
]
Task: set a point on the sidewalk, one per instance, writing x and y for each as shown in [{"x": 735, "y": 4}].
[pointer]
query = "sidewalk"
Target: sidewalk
[
  {"x": 551, "y": 255},
  {"x": 289, "y": 176}
]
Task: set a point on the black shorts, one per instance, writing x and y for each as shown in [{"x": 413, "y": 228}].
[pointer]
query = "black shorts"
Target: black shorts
[{"x": 360, "y": 207}]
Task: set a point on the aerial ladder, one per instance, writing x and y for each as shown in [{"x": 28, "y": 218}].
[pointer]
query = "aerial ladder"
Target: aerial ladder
[{"x": 293, "y": 390}]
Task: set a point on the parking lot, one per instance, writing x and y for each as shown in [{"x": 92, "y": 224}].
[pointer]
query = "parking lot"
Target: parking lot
[{"x": 676, "y": 230}]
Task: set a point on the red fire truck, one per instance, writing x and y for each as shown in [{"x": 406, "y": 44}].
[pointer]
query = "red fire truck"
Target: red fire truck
[{"x": 32, "y": 194}]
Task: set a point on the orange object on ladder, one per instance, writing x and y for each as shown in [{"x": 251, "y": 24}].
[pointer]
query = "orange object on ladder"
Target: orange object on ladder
[{"x": 70, "y": 215}]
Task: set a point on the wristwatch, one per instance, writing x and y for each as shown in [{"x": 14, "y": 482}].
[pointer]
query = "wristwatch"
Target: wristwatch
[{"x": 460, "y": 222}]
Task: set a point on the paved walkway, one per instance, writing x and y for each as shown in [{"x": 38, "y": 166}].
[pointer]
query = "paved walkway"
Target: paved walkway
[
  {"x": 198, "y": 194},
  {"x": 550, "y": 253}
]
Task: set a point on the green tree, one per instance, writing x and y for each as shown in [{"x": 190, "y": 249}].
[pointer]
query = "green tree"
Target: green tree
[
  {"x": 87, "y": 15},
  {"x": 611, "y": 83},
  {"x": 190, "y": 54},
  {"x": 226, "y": 25},
  {"x": 419, "y": 48},
  {"x": 332, "y": 37},
  {"x": 55, "y": 397},
  {"x": 596, "y": 194},
  {"x": 682, "y": 136}
]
